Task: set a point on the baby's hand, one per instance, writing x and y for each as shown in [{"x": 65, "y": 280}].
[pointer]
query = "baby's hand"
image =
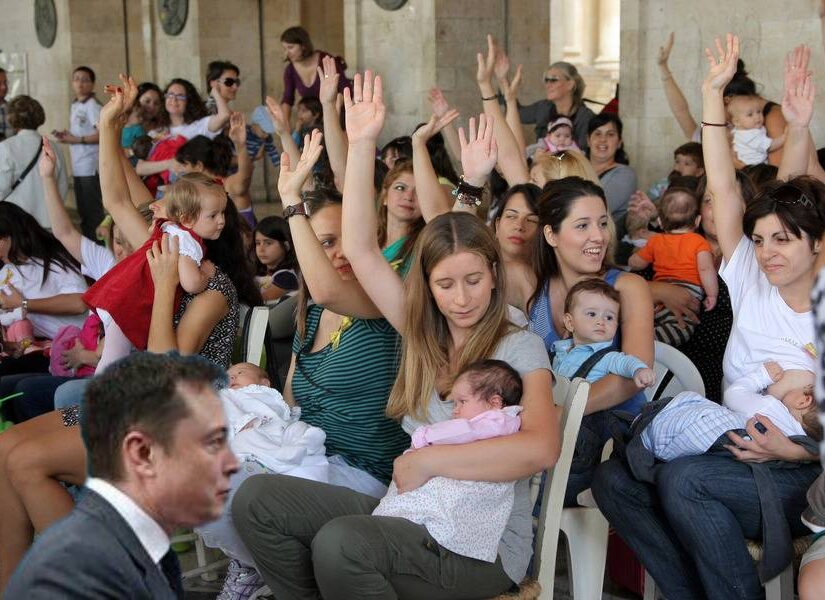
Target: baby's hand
[
  {"x": 644, "y": 378},
  {"x": 774, "y": 370},
  {"x": 709, "y": 302},
  {"x": 208, "y": 268}
]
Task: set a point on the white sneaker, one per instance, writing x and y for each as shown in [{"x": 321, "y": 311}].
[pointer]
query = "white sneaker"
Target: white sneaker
[{"x": 241, "y": 582}]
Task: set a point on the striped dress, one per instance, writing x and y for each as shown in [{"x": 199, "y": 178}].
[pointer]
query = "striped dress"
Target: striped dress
[{"x": 344, "y": 391}]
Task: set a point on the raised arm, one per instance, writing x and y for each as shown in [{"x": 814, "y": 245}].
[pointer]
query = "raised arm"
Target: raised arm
[
  {"x": 440, "y": 108},
  {"x": 219, "y": 120},
  {"x": 113, "y": 186},
  {"x": 335, "y": 138},
  {"x": 62, "y": 226},
  {"x": 325, "y": 284},
  {"x": 365, "y": 118},
  {"x": 510, "y": 161},
  {"x": 237, "y": 184},
  {"x": 510, "y": 89},
  {"x": 281, "y": 122},
  {"x": 675, "y": 99},
  {"x": 798, "y": 109},
  {"x": 433, "y": 198},
  {"x": 727, "y": 200},
  {"x": 478, "y": 156}
]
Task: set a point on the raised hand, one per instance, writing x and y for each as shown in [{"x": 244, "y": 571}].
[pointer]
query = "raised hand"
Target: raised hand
[
  {"x": 510, "y": 89},
  {"x": 130, "y": 91},
  {"x": 664, "y": 51},
  {"x": 722, "y": 69},
  {"x": 438, "y": 102},
  {"x": 114, "y": 110},
  {"x": 486, "y": 64},
  {"x": 798, "y": 99},
  {"x": 278, "y": 116},
  {"x": 365, "y": 110},
  {"x": 501, "y": 66},
  {"x": 237, "y": 129},
  {"x": 328, "y": 76},
  {"x": 292, "y": 177},
  {"x": 479, "y": 153},
  {"x": 434, "y": 125},
  {"x": 48, "y": 160}
]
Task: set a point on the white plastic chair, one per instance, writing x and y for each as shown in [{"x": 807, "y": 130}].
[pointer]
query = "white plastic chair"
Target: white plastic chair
[
  {"x": 255, "y": 334},
  {"x": 584, "y": 526},
  {"x": 572, "y": 398}
]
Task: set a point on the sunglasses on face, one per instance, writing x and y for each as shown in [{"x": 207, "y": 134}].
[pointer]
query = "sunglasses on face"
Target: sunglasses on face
[
  {"x": 231, "y": 81},
  {"x": 179, "y": 97}
]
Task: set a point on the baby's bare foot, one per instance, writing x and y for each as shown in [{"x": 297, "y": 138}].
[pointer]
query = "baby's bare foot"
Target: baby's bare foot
[{"x": 774, "y": 370}]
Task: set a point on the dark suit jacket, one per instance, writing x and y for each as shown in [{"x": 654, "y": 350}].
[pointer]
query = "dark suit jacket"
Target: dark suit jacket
[{"x": 92, "y": 553}]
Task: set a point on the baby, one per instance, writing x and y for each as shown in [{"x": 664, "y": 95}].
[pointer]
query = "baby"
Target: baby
[
  {"x": 591, "y": 315},
  {"x": 750, "y": 139},
  {"x": 680, "y": 256},
  {"x": 465, "y": 517},
  {"x": 689, "y": 424},
  {"x": 558, "y": 139}
]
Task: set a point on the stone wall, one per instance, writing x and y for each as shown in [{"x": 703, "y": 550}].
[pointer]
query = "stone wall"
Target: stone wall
[{"x": 767, "y": 29}]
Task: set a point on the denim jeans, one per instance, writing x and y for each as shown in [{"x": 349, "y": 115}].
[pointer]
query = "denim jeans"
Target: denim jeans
[
  {"x": 689, "y": 529},
  {"x": 70, "y": 393}
]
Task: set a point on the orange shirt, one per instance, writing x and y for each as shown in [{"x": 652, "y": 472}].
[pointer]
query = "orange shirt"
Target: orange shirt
[{"x": 674, "y": 255}]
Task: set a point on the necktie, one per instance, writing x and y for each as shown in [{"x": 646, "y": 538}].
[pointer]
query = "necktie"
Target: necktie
[{"x": 171, "y": 570}]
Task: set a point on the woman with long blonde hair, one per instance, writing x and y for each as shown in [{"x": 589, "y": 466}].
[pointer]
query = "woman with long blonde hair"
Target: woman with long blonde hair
[{"x": 310, "y": 539}]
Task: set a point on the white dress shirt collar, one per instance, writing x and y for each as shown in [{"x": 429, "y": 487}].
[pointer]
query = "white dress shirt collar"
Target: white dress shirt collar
[{"x": 150, "y": 534}]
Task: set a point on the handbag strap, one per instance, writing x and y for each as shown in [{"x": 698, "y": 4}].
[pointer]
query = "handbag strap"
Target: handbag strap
[{"x": 28, "y": 168}]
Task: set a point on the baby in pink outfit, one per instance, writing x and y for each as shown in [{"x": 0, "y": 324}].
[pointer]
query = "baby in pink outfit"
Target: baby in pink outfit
[{"x": 465, "y": 517}]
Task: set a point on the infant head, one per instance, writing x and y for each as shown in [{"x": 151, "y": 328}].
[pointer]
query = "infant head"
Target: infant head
[
  {"x": 800, "y": 402},
  {"x": 591, "y": 311},
  {"x": 745, "y": 112},
  {"x": 244, "y": 374},
  {"x": 485, "y": 385},
  {"x": 678, "y": 209},
  {"x": 560, "y": 133}
]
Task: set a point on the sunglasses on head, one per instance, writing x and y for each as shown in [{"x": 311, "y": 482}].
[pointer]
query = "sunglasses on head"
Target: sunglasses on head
[
  {"x": 231, "y": 81},
  {"x": 171, "y": 96},
  {"x": 788, "y": 194}
]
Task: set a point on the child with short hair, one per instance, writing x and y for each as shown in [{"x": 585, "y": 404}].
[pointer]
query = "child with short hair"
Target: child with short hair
[
  {"x": 687, "y": 162},
  {"x": 465, "y": 517},
  {"x": 558, "y": 139},
  {"x": 750, "y": 138},
  {"x": 591, "y": 315},
  {"x": 123, "y": 297},
  {"x": 679, "y": 256}
]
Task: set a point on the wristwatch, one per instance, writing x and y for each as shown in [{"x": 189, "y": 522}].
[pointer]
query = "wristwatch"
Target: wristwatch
[
  {"x": 296, "y": 209},
  {"x": 24, "y": 304}
]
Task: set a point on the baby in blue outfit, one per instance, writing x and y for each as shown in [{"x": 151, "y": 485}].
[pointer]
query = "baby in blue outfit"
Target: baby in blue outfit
[{"x": 591, "y": 315}]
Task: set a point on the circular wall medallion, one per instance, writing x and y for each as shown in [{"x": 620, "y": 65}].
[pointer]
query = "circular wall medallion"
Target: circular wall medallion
[
  {"x": 172, "y": 15},
  {"x": 390, "y": 4},
  {"x": 45, "y": 22}
]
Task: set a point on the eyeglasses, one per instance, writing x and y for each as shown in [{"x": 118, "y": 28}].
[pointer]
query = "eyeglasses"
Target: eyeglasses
[
  {"x": 232, "y": 81},
  {"x": 554, "y": 79},
  {"x": 178, "y": 97},
  {"x": 788, "y": 194}
]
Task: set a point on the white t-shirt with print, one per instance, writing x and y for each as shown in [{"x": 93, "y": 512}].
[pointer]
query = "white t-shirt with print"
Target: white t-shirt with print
[
  {"x": 83, "y": 122},
  {"x": 764, "y": 326}
]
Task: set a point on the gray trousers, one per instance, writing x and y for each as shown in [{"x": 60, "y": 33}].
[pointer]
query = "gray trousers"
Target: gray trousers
[{"x": 314, "y": 540}]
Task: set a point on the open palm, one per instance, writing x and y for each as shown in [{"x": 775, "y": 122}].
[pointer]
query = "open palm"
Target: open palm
[
  {"x": 722, "y": 69},
  {"x": 292, "y": 177},
  {"x": 365, "y": 110}
]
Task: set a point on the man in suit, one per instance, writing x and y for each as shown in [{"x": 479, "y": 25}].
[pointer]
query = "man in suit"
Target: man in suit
[{"x": 158, "y": 458}]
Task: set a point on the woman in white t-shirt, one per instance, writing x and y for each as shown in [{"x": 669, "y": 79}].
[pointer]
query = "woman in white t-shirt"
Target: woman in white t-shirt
[
  {"x": 689, "y": 529},
  {"x": 183, "y": 114},
  {"x": 37, "y": 265}
]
